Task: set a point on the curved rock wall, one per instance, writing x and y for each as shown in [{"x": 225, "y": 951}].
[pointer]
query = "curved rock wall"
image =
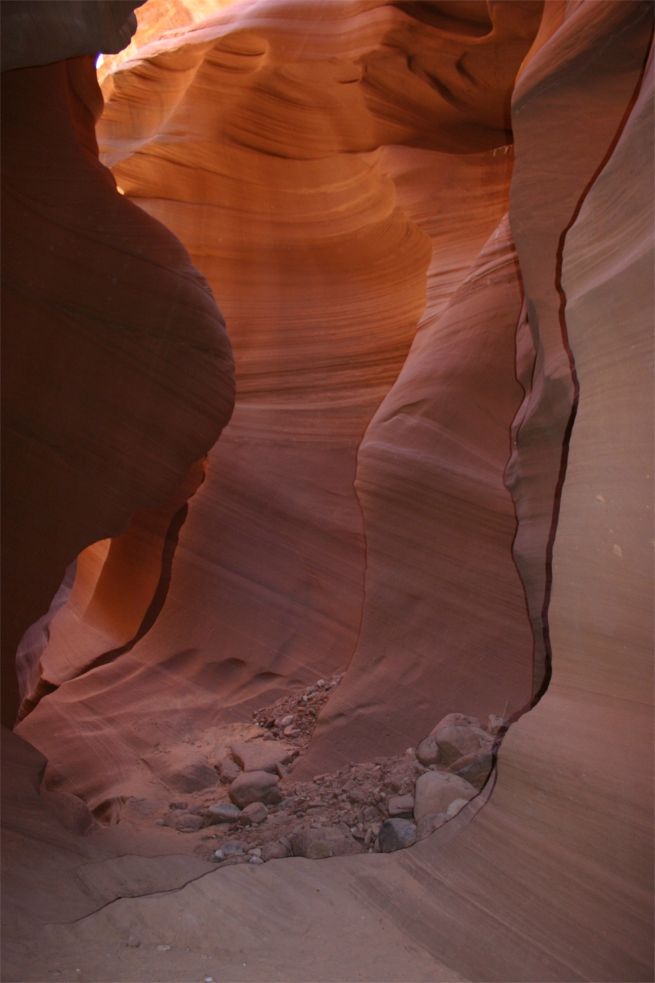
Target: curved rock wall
[
  {"x": 553, "y": 880},
  {"x": 103, "y": 310},
  {"x": 328, "y": 252}
]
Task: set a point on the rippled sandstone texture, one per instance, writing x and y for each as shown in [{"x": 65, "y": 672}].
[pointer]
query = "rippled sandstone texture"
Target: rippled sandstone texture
[
  {"x": 380, "y": 348},
  {"x": 332, "y": 259}
]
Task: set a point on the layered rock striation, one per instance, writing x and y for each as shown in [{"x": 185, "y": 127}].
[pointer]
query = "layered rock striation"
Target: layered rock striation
[{"x": 436, "y": 482}]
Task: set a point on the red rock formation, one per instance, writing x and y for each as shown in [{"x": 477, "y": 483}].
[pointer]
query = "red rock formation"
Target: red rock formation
[
  {"x": 553, "y": 879},
  {"x": 318, "y": 250},
  {"x": 117, "y": 371}
]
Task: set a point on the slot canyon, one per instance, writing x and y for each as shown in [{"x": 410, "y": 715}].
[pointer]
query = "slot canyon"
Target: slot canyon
[{"x": 327, "y": 454}]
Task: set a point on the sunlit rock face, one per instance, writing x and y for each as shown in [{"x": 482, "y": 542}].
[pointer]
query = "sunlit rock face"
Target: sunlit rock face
[{"x": 341, "y": 183}]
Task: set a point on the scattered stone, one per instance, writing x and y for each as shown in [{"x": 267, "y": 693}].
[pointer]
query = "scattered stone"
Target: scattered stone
[
  {"x": 231, "y": 848},
  {"x": 400, "y": 805},
  {"x": 255, "y": 813},
  {"x": 276, "y": 850},
  {"x": 435, "y": 790},
  {"x": 474, "y": 768},
  {"x": 256, "y": 756},
  {"x": 255, "y": 786},
  {"x": 228, "y": 770},
  {"x": 396, "y": 834},
  {"x": 222, "y": 812},
  {"x": 323, "y": 842}
]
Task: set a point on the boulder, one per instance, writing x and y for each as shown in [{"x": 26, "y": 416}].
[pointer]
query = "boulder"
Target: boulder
[
  {"x": 255, "y": 813},
  {"x": 396, "y": 834},
  {"x": 319, "y": 843},
  {"x": 255, "y": 786},
  {"x": 455, "y": 735},
  {"x": 435, "y": 790}
]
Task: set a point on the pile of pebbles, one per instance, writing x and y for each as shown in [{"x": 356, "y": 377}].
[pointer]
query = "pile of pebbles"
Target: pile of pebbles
[{"x": 376, "y": 807}]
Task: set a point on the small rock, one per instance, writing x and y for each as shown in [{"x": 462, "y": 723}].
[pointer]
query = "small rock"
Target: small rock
[
  {"x": 256, "y": 812},
  {"x": 228, "y": 770},
  {"x": 321, "y": 683},
  {"x": 435, "y": 790},
  {"x": 133, "y": 942},
  {"x": 255, "y": 851},
  {"x": 255, "y": 860},
  {"x": 276, "y": 850},
  {"x": 396, "y": 834},
  {"x": 323, "y": 842},
  {"x": 427, "y": 751},
  {"x": 223, "y": 812},
  {"x": 291, "y": 731},
  {"x": 400, "y": 805},
  {"x": 188, "y": 823},
  {"x": 232, "y": 848},
  {"x": 255, "y": 786},
  {"x": 255, "y": 756},
  {"x": 178, "y": 805},
  {"x": 285, "y": 721}
]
